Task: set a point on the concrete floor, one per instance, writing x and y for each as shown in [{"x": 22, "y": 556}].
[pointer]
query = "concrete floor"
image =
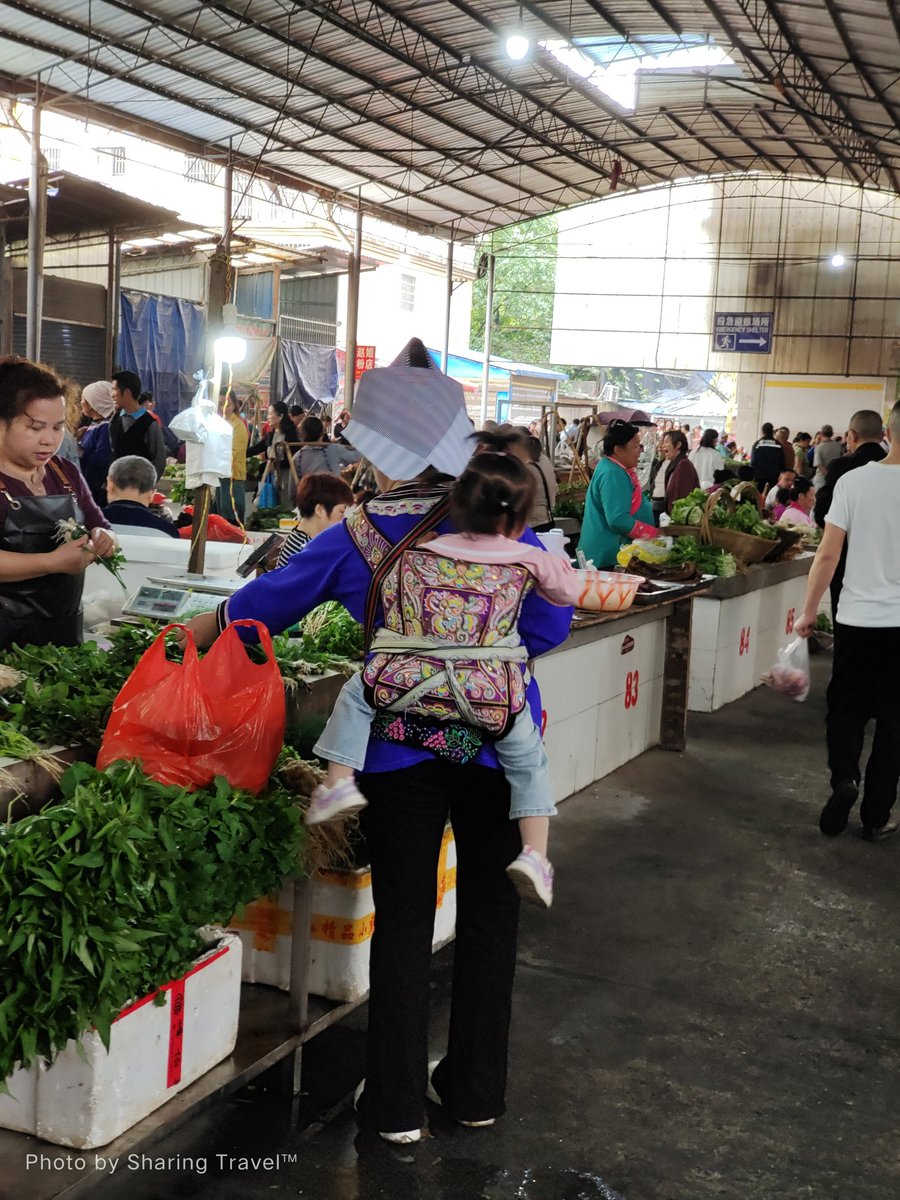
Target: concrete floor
[{"x": 708, "y": 1011}]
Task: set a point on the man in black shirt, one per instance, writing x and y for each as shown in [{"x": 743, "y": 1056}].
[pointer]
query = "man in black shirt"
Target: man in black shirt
[
  {"x": 132, "y": 430},
  {"x": 863, "y": 446},
  {"x": 767, "y": 459}
]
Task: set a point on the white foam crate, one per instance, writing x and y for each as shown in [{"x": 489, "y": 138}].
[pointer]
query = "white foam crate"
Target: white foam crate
[
  {"x": 155, "y": 1052},
  {"x": 343, "y": 919}
]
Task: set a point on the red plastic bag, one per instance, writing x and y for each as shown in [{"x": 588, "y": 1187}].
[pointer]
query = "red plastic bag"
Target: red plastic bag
[{"x": 188, "y": 722}]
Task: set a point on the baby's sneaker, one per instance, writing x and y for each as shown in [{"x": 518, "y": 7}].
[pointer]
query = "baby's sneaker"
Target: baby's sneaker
[
  {"x": 532, "y": 875},
  {"x": 332, "y": 803}
]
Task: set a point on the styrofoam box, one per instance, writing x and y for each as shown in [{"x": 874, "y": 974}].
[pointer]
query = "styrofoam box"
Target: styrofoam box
[
  {"x": 155, "y": 1052},
  {"x": 343, "y": 919}
]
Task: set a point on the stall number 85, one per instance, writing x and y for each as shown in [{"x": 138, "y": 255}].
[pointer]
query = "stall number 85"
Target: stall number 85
[{"x": 632, "y": 688}]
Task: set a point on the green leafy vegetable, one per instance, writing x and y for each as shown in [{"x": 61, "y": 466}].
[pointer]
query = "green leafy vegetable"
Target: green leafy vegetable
[
  {"x": 331, "y": 630},
  {"x": 101, "y": 896},
  {"x": 709, "y": 560},
  {"x": 744, "y": 519},
  {"x": 268, "y": 518}
]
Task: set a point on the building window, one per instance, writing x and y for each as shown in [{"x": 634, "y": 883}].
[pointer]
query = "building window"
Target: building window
[
  {"x": 116, "y": 156},
  {"x": 407, "y": 293},
  {"x": 51, "y": 153},
  {"x": 198, "y": 170},
  {"x": 242, "y": 198}
]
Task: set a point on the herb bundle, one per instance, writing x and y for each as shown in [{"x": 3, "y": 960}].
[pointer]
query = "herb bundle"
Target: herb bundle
[
  {"x": 71, "y": 530},
  {"x": 101, "y": 896}
]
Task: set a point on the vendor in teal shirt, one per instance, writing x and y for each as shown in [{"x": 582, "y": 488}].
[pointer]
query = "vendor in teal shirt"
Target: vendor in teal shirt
[{"x": 615, "y": 510}]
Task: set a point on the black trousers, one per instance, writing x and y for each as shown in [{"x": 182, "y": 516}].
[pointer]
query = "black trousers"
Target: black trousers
[
  {"x": 403, "y": 824},
  {"x": 865, "y": 686}
]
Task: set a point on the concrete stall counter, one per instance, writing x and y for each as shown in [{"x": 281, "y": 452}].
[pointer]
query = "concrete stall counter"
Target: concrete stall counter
[
  {"x": 614, "y": 688},
  {"x": 739, "y": 627}
]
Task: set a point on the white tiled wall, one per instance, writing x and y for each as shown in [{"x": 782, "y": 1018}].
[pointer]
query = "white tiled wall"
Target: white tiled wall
[
  {"x": 603, "y": 706},
  {"x": 734, "y": 642}
]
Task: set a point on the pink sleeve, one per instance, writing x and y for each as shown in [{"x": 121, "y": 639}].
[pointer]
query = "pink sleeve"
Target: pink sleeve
[{"x": 556, "y": 578}]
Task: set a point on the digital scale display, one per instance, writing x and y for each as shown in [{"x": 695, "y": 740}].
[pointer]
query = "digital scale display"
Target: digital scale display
[
  {"x": 159, "y": 601},
  {"x": 170, "y": 602}
]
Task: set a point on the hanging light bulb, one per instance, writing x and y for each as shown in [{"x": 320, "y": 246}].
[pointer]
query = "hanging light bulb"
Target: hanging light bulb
[
  {"x": 837, "y": 260},
  {"x": 517, "y": 43}
]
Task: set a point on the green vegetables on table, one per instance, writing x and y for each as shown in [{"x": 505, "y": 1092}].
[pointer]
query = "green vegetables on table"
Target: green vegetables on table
[
  {"x": 268, "y": 519},
  {"x": 330, "y": 629},
  {"x": 101, "y": 895},
  {"x": 63, "y": 695},
  {"x": 709, "y": 560},
  {"x": 744, "y": 519},
  {"x": 66, "y": 692},
  {"x": 689, "y": 509}
]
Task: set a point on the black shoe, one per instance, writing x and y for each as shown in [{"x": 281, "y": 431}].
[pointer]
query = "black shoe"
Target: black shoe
[
  {"x": 878, "y": 833},
  {"x": 834, "y": 816}
]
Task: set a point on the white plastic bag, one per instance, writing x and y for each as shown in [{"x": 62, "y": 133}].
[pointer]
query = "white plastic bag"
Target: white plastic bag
[
  {"x": 789, "y": 674},
  {"x": 207, "y": 438}
]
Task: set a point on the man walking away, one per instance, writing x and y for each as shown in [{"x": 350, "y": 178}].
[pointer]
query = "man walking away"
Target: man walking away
[
  {"x": 863, "y": 446},
  {"x": 767, "y": 459},
  {"x": 132, "y": 430},
  {"x": 826, "y": 452},
  {"x": 865, "y": 679}
]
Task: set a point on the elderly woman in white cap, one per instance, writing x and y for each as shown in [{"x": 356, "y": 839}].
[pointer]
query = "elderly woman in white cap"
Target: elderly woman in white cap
[
  {"x": 97, "y": 402},
  {"x": 410, "y": 421}
]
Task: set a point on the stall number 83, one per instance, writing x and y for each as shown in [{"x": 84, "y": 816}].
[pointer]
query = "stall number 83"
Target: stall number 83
[{"x": 632, "y": 688}]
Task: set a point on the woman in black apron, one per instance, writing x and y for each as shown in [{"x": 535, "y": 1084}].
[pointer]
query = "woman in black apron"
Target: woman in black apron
[{"x": 41, "y": 579}]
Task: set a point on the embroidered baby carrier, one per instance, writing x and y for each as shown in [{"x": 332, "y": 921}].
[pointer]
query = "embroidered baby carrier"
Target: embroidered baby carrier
[{"x": 449, "y": 649}]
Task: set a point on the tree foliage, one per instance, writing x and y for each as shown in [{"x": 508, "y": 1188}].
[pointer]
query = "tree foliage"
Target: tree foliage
[{"x": 524, "y": 283}]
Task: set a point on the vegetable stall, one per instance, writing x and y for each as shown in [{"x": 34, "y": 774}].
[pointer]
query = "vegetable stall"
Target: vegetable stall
[
  {"x": 740, "y": 625},
  {"x": 89, "y": 873},
  {"x": 107, "y": 877}
]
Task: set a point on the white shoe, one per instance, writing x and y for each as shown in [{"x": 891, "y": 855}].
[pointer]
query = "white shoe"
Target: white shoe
[
  {"x": 332, "y": 803},
  {"x": 407, "y": 1137},
  {"x": 532, "y": 875},
  {"x": 431, "y": 1094}
]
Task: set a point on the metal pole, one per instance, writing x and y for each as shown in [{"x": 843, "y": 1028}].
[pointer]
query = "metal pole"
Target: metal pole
[
  {"x": 445, "y": 356},
  {"x": 117, "y": 302},
  {"x": 229, "y": 203},
  {"x": 37, "y": 228},
  {"x": 6, "y": 306},
  {"x": 488, "y": 330},
  {"x": 352, "y": 312},
  {"x": 112, "y": 304}
]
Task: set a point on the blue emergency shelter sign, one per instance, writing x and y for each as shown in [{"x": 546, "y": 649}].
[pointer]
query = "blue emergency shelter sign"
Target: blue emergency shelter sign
[{"x": 743, "y": 333}]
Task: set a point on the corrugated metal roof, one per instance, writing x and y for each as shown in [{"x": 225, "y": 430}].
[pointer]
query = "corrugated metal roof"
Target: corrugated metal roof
[{"x": 415, "y": 110}]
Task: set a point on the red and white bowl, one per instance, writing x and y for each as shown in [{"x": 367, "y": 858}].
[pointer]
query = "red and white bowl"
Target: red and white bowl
[{"x": 607, "y": 591}]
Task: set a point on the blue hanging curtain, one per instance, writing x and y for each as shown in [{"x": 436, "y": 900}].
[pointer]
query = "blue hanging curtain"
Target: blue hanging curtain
[
  {"x": 163, "y": 340},
  {"x": 309, "y": 374}
]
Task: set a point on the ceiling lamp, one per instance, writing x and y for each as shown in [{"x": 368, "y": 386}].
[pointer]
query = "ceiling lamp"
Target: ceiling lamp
[
  {"x": 517, "y": 43},
  {"x": 837, "y": 260}
]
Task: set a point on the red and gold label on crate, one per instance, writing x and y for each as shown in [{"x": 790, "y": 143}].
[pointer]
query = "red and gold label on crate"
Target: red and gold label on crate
[
  {"x": 265, "y": 920},
  {"x": 175, "y": 999},
  {"x": 341, "y": 930}
]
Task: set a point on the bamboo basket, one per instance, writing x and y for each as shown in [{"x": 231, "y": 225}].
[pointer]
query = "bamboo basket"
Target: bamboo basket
[
  {"x": 677, "y": 531},
  {"x": 748, "y": 491},
  {"x": 744, "y": 546}
]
